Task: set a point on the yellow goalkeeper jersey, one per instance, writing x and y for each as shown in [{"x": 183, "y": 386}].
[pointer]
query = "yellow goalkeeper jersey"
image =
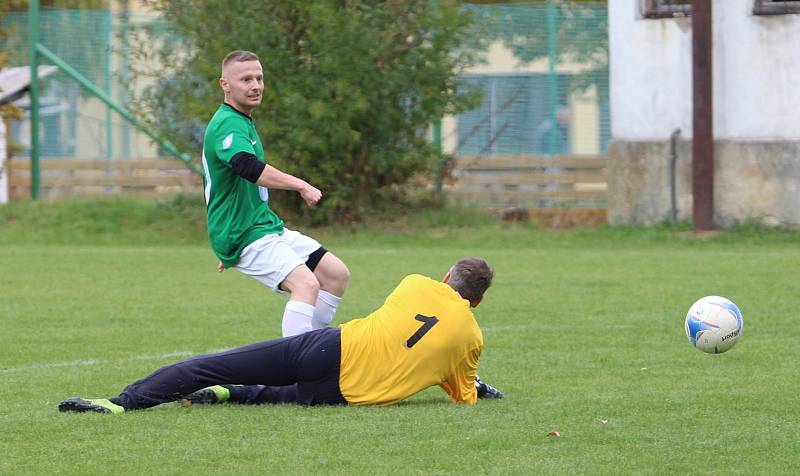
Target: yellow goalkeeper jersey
[{"x": 424, "y": 334}]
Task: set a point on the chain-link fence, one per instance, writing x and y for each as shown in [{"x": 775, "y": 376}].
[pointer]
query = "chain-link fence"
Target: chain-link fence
[
  {"x": 74, "y": 124},
  {"x": 538, "y": 137},
  {"x": 543, "y": 80}
]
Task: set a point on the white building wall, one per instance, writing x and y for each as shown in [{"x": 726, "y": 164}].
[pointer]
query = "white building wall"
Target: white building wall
[
  {"x": 756, "y": 73},
  {"x": 651, "y": 75},
  {"x": 756, "y": 66}
]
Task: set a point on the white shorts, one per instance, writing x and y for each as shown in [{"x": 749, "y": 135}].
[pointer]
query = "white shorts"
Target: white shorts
[{"x": 270, "y": 259}]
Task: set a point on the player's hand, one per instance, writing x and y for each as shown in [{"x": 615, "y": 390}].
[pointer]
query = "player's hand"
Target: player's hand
[
  {"x": 487, "y": 391},
  {"x": 220, "y": 267},
  {"x": 310, "y": 194}
]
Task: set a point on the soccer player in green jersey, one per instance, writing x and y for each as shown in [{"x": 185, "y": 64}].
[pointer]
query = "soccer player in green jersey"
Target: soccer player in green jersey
[
  {"x": 244, "y": 232},
  {"x": 423, "y": 335}
]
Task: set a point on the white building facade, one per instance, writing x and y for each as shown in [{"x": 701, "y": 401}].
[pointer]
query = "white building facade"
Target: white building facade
[{"x": 756, "y": 63}]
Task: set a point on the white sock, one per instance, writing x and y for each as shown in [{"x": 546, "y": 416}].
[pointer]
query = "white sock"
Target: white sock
[
  {"x": 325, "y": 309},
  {"x": 296, "y": 318}
]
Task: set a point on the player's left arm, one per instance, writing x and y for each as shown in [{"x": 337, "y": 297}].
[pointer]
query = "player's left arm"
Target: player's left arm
[
  {"x": 460, "y": 385},
  {"x": 272, "y": 177}
]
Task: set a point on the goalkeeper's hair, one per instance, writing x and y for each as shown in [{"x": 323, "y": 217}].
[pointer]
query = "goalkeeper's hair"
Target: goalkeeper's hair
[
  {"x": 471, "y": 277},
  {"x": 238, "y": 56}
]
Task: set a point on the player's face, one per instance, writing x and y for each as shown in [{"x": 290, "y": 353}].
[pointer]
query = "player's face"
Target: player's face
[{"x": 243, "y": 83}]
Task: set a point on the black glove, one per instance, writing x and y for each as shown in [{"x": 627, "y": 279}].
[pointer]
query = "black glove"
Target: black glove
[{"x": 487, "y": 391}]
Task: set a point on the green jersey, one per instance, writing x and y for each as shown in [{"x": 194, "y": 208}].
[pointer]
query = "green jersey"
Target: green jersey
[{"x": 237, "y": 211}]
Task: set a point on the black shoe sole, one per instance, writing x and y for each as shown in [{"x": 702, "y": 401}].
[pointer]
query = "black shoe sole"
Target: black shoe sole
[
  {"x": 80, "y": 405},
  {"x": 200, "y": 397}
]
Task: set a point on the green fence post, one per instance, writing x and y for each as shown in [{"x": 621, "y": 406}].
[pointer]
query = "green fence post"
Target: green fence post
[
  {"x": 107, "y": 79},
  {"x": 552, "y": 76},
  {"x": 125, "y": 26},
  {"x": 100, "y": 94},
  {"x": 437, "y": 144},
  {"x": 33, "y": 42}
]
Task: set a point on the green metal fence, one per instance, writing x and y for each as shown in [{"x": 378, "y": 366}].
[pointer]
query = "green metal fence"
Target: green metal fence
[
  {"x": 94, "y": 44},
  {"x": 71, "y": 114},
  {"x": 544, "y": 83},
  {"x": 73, "y": 124}
]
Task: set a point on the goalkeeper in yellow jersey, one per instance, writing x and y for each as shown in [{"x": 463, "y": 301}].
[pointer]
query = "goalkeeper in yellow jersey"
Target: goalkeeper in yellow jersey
[{"x": 424, "y": 335}]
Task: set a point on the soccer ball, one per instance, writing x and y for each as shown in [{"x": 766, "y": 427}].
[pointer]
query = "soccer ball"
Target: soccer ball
[{"x": 714, "y": 324}]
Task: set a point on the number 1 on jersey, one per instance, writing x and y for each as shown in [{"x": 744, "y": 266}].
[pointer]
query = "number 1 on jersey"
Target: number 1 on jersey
[{"x": 427, "y": 323}]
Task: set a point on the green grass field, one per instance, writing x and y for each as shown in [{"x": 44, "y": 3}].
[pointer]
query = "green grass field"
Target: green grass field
[{"x": 583, "y": 330}]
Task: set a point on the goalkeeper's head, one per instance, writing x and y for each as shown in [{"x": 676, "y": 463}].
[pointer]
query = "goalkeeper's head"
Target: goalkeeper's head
[{"x": 470, "y": 277}]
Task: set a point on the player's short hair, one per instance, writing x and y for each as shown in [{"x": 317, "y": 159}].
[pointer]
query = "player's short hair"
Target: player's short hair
[
  {"x": 238, "y": 56},
  {"x": 471, "y": 277}
]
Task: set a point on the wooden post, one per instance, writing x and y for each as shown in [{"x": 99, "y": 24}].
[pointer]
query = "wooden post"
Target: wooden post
[{"x": 702, "y": 117}]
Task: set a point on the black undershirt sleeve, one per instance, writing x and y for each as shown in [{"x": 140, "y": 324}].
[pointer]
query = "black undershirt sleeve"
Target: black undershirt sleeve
[{"x": 247, "y": 166}]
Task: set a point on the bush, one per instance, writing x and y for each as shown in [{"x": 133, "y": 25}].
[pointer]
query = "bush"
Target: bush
[{"x": 350, "y": 86}]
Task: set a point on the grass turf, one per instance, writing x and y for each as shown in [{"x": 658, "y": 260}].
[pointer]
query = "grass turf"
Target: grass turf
[{"x": 583, "y": 329}]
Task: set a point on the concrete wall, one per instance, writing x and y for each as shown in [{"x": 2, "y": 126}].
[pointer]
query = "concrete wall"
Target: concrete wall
[
  {"x": 756, "y": 114},
  {"x": 755, "y": 181}
]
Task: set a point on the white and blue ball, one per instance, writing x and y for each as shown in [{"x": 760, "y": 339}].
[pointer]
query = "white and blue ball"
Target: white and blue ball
[{"x": 714, "y": 324}]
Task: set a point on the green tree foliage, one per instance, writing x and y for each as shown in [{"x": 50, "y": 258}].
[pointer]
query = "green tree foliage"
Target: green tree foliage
[{"x": 351, "y": 86}]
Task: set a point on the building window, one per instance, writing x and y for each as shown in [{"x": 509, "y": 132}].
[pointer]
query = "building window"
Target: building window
[
  {"x": 666, "y": 8},
  {"x": 776, "y": 7}
]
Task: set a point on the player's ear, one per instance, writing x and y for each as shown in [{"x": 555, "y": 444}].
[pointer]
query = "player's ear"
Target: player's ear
[
  {"x": 475, "y": 303},
  {"x": 223, "y": 83},
  {"x": 446, "y": 278}
]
